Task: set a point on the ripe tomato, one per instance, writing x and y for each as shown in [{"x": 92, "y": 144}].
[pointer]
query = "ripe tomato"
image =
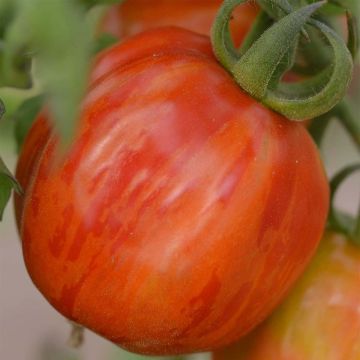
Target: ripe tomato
[
  {"x": 183, "y": 210},
  {"x": 321, "y": 317},
  {"x": 134, "y": 16}
]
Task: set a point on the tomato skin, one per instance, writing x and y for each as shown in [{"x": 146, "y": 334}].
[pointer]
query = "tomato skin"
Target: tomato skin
[
  {"x": 320, "y": 319},
  {"x": 177, "y": 221},
  {"x": 134, "y": 16}
]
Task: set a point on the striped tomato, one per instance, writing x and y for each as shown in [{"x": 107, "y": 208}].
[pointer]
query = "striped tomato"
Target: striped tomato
[{"x": 183, "y": 210}]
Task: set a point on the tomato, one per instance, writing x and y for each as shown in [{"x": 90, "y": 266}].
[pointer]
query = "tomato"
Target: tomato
[
  {"x": 183, "y": 210},
  {"x": 321, "y": 317},
  {"x": 134, "y": 16}
]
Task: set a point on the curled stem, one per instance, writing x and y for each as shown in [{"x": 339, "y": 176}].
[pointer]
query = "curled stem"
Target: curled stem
[{"x": 259, "y": 68}]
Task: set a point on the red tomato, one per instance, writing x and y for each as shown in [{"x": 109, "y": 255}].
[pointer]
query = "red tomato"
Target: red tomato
[
  {"x": 134, "y": 16},
  {"x": 321, "y": 317},
  {"x": 184, "y": 209}
]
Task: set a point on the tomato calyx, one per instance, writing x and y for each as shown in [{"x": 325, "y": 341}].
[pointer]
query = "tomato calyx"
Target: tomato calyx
[
  {"x": 259, "y": 67},
  {"x": 339, "y": 221}
]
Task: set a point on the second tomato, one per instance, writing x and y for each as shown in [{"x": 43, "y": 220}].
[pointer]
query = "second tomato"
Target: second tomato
[
  {"x": 134, "y": 16},
  {"x": 320, "y": 320}
]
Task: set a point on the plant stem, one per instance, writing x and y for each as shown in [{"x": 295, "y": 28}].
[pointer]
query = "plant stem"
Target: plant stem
[{"x": 350, "y": 122}]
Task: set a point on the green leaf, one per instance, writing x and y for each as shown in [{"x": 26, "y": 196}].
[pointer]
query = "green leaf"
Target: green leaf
[
  {"x": 260, "y": 24},
  {"x": 276, "y": 9},
  {"x": 221, "y": 40},
  {"x": 25, "y": 116},
  {"x": 7, "y": 183}
]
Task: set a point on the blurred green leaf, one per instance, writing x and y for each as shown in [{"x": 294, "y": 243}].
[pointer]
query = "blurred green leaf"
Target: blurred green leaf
[
  {"x": 25, "y": 116},
  {"x": 13, "y": 98},
  {"x": 60, "y": 39},
  {"x": 15, "y": 61},
  {"x": 7, "y": 183}
]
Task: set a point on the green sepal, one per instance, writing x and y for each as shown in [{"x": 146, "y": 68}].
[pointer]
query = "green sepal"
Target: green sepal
[
  {"x": 222, "y": 44},
  {"x": 260, "y": 24},
  {"x": 314, "y": 56},
  {"x": 332, "y": 90},
  {"x": 255, "y": 69},
  {"x": 276, "y": 8}
]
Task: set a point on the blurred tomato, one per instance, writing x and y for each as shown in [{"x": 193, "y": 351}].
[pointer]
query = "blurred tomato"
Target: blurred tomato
[
  {"x": 134, "y": 16},
  {"x": 184, "y": 209},
  {"x": 320, "y": 320}
]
